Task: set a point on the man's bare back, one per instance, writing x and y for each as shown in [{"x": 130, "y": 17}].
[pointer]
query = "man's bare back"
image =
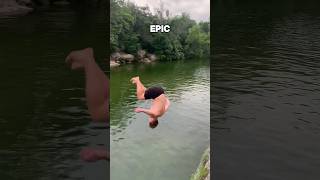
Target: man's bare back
[{"x": 160, "y": 103}]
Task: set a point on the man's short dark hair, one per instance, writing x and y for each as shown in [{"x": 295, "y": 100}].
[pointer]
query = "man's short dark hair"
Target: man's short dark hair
[{"x": 153, "y": 124}]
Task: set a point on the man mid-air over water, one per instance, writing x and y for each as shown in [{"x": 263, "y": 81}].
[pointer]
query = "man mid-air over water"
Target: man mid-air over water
[{"x": 160, "y": 103}]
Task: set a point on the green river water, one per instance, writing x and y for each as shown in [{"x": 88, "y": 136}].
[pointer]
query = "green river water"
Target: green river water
[{"x": 171, "y": 151}]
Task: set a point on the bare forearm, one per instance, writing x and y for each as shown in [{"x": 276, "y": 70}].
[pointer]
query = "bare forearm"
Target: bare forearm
[
  {"x": 148, "y": 112},
  {"x": 96, "y": 91}
]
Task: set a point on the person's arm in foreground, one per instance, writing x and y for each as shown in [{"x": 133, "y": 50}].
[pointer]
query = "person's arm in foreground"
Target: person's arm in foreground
[
  {"x": 92, "y": 155},
  {"x": 97, "y": 83}
]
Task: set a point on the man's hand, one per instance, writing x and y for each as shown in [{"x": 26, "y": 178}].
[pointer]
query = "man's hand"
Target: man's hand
[
  {"x": 80, "y": 59},
  {"x": 138, "y": 110}
]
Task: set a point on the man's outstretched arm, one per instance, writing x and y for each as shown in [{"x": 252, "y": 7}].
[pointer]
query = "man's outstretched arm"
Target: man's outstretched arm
[
  {"x": 149, "y": 112},
  {"x": 97, "y": 91}
]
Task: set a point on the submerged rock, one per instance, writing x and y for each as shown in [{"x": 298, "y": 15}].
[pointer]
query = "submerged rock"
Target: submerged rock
[
  {"x": 145, "y": 60},
  {"x": 203, "y": 170},
  {"x": 127, "y": 58},
  {"x": 152, "y": 57},
  {"x": 141, "y": 54},
  {"x": 115, "y": 57},
  {"x": 114, "y": 64}
]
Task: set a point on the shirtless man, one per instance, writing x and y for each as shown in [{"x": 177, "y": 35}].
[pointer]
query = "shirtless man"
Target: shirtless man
[
  {"x": 97, "y": 95},
  {"x": 160, "y": 103}
]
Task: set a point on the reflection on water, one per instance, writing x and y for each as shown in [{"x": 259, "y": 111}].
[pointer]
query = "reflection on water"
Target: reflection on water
[
  {"x": 43, "y": 118},
  {"x": 174, "y": 148},
  {"x": 266, "y": 93}
]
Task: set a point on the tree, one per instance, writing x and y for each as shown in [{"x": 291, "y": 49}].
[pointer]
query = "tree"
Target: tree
[
  {"x": 198, "y": 42},
  {"x": 205, "y": 27},
  {"x": 180, "y": 26}
]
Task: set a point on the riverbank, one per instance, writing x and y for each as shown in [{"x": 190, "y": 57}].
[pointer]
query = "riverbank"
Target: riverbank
[
  {"x": 203, "y": 170},
  {"x": 142, "y": 56}
]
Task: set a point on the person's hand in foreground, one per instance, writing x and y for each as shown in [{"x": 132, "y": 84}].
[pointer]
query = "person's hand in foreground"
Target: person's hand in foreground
[
  {"x": 92, "y": 155},
  {"x": 80, "y": 59}
]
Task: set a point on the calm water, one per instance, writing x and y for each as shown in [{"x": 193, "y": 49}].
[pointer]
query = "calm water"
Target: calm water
[
  {"x": 173, "y": 149},
  {"x": 266, "y": 91},
  {"x": 43, "y": 118}
]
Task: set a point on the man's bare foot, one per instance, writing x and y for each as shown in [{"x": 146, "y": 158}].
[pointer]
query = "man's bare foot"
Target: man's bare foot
[
  {"x": 134, "y": 80},
  {"x": 80, "y": 59}
]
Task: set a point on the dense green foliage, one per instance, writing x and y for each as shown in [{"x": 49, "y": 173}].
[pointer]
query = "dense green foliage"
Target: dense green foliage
[{"x": 130, "y": 32}]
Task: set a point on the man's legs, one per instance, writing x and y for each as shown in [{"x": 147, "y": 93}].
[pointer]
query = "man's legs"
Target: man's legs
[{"x": 140, "y": 87}]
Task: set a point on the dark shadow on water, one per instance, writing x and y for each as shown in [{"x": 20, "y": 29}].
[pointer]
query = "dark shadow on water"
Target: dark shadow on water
[
  {"x": 265, "y": 92},
  {"x": 44, "y": 121}
]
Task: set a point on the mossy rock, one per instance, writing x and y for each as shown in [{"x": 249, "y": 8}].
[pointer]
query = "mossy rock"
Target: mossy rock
[{"x": 203, "y": 170}]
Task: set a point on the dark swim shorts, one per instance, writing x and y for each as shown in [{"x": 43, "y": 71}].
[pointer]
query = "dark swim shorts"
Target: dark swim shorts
[{"x": 153, "y": 92}]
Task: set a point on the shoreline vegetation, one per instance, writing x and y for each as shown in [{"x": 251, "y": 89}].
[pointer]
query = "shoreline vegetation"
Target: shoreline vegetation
[
  {"x": 131, "y": 40},
  {"x": 203, "y": 170}
]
